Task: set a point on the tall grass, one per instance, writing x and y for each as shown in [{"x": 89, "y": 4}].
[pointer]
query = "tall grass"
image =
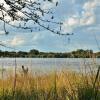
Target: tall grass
[{"x": 64, "y": 85}]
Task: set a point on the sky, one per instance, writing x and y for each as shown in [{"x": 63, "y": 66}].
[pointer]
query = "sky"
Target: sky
[{"x": 81, "y": 17}]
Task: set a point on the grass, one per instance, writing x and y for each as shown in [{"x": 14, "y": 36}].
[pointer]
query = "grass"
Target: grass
[{"x": 64, "y": 85}]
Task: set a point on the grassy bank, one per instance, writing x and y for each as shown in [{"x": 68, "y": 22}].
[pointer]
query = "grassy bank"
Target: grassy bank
[{"x": 62, "y": 85}]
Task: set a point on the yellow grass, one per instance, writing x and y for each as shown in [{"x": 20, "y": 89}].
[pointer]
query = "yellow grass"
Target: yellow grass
[{"x": 68, "y": 81}]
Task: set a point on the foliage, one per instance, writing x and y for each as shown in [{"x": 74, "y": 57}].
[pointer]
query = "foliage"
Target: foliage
[{"x": 35, "y": 53}]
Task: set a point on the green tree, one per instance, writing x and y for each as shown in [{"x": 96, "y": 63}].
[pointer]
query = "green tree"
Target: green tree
[{"x": 34, "y": 51}]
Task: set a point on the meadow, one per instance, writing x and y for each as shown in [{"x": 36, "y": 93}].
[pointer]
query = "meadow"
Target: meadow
[{"x": 62, "y": 85}]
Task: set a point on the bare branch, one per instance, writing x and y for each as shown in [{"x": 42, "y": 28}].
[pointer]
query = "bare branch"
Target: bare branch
[{"x": 23, "y": 11}]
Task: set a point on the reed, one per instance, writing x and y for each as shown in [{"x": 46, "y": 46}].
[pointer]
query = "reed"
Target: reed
[{"x": 63, "y": 85}]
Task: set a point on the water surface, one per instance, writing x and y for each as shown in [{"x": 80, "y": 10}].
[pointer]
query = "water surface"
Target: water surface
[{"x": 49, "y": 64}]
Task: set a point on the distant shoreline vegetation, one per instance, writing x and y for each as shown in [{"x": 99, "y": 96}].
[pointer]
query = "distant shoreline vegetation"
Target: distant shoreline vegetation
[{"x": 80, "y": 53}]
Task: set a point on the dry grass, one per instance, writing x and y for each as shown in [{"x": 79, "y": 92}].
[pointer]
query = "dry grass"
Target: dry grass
[{"x": 62, "y": 85}]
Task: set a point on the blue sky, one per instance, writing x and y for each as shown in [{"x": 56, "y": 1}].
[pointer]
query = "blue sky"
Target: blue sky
[{"x": 82, "y": 17}]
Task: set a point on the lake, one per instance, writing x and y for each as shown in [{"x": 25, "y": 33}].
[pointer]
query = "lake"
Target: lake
[{"x": 49, "y": 64}]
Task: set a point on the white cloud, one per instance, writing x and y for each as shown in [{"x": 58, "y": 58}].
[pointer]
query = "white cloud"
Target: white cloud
[
  {"x": 36, "y": 37},
  {"x": 90, "y": 5},
  {"x": 73, "y": 21},
  {"x": 16, "y": 41},
  {"x": 49, "y": 5},
  {"x": 87, "y": 17},
  {"x": 69, "y": 24},
  {"x": 87, "y": 21},
  {"x": 2, "y": 33}
]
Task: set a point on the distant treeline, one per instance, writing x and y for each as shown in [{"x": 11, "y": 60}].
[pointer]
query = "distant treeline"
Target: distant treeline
[{"x": 80, "y": 53}]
